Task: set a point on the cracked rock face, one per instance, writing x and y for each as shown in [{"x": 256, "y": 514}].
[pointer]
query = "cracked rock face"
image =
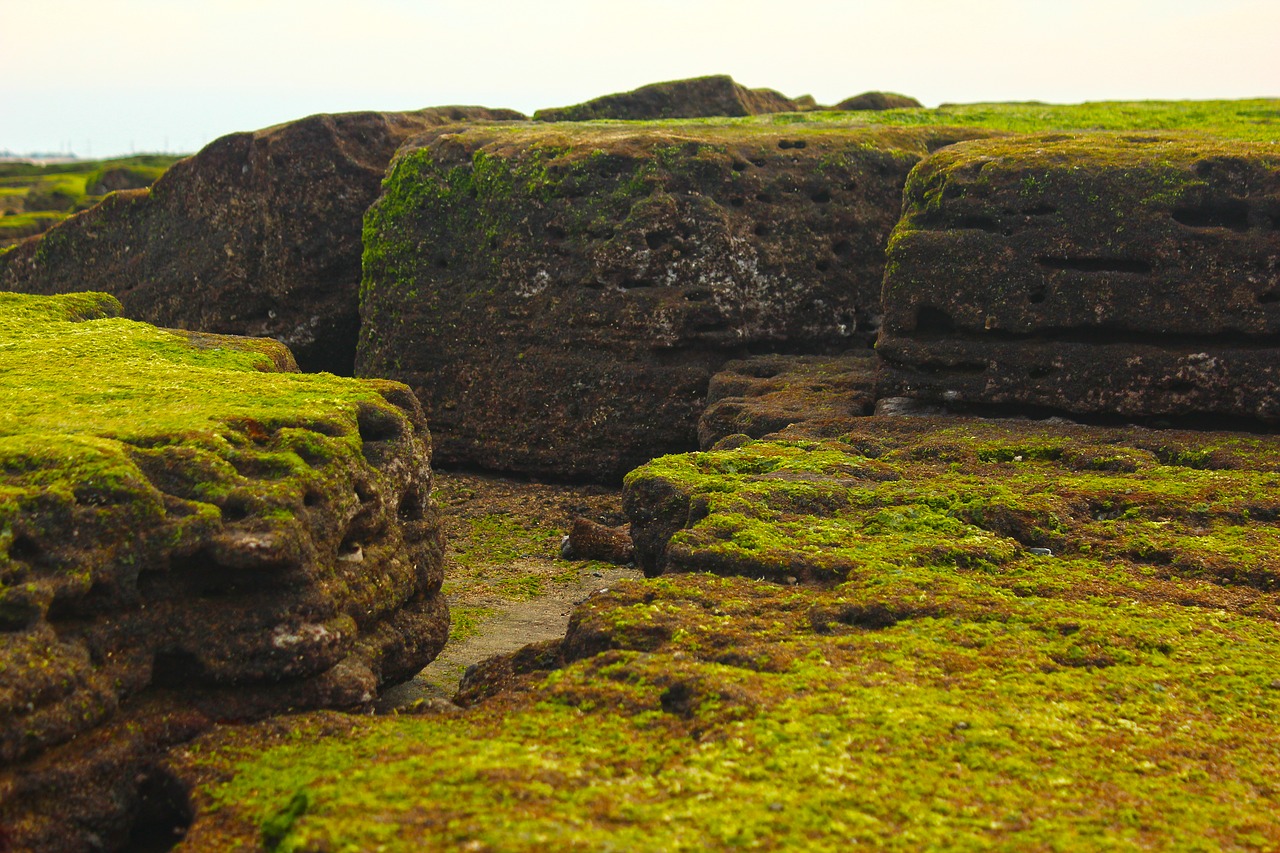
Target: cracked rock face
[
  {"x": 559, "y": 296},
  {"x": 257, "y": 234},
  {"x": 187, "y": 535},
  {"x": 1094, "y": 274}
]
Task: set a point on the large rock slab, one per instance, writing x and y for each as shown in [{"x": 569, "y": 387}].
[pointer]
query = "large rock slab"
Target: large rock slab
[
  {"x": 558, "y": 296},
  {"x": 936, "y": 685},
  {"x": 187, "y": 534},
  {"x": 699, "y": 97},
  {"x": 1095, "y": 274},
  {"x": 258, "y": 234}
]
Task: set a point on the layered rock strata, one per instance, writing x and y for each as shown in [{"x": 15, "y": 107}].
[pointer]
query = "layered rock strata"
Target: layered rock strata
[
  {"x": 1130, "y": 275},
  {"x": 559, "y": 296},
  {"x": 189, "y": 534},
  {"x": 258, "y": 234}
]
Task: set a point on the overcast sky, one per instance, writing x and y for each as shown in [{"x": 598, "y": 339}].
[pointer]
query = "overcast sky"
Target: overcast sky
[{"x": 106, "y": 77}]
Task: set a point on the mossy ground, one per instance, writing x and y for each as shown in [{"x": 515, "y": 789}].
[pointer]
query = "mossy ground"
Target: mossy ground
[
  {"x": 946, "y": 687},
  {"x": 1257, "y": 120}
]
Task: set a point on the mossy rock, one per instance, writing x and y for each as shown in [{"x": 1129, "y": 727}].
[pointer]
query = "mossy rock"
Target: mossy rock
[
  {"x": 879, "y": 101},
  {"x": 931, "y": 682},
  {"x": 257, "y": 234},
  {"x": 559, "y": 295},
  {"x": 766, "y": 393},
  {"x": 699, "y": 97},
  {"x": 189, "y": 530},
  {"x": 1093, "y": 274}
]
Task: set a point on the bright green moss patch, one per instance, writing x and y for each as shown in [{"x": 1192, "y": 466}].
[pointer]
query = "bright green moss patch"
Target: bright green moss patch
[{"x": 1027, "y": 637}]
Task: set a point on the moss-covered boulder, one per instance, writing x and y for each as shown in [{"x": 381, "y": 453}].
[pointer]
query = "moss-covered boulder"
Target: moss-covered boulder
[
  {"x": 699, "y": 97},
  {"x": 258, "y": 234},
  {"x": 1004, "y": 635},
  {"x": 1092, "y": 274},
  {"x": 766, "y": 393},
  {"x": 879, "y": 101},
  {"x": 559, "y": 295},
  {"x": 189, "y": 532}
]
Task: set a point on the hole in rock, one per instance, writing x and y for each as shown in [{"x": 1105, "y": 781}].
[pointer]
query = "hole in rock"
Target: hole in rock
[
  {"x": 740, "y": 166},
  {"x": 930, "y": 319},
  {"x": 764, "y": 198},
  {"x": 786, "y": 144},
  {"x": 822, "y": 265},
  {"x": 235, "y": 508},
  {"x": 378, "y": 424},
  {"x": 555, "y": 232},
  {"x": 657, "y": 239},
  {"x": 761, "y": 230},
  {"x": 1269, "y": 298},
  {"x": 442, "y": 263},
  {"x": 1126, "y": 265},
  {"x": 634, "y": 283},
  {"x": 175, "y": 668},
  {"x": 364, "y": 491},
  {"x": 24, "y": 548},
  {"x": 1181, "y": 386},
  {"x": 313, "y": 497},
  {"x": 678, "y": 699},
  {"x": 1040, "y": 371},
  {"x": 821, "y": 197},
  {"x": 17, "y": 616},
  {"x": 851, "y": 186},
  {"x": 1036, "y": 296},
  {"x": 978, "y": 222},
  {"x": 410, "y": 507},
  {"x": 842, "y": 248},
  {"x": 162, "y": 813},
  {"x": 1227, "y": 213},
  {"x": 737, "y": 201}
]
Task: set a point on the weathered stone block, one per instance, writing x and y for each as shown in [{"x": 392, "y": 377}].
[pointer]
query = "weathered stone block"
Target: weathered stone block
[
  {"x": 559, "y": 296},
  {"x": 185, "y": 530},
  {"x": 1095, "y": 274}
]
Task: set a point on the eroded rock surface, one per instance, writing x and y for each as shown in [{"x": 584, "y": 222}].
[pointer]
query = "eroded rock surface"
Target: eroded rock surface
[
  {"x": 700, "y": 97},
  {"x": 1011, "y": 635},
  {"x": 1098, "y": 275},
  {"x": 559, "y": 296},
  {"x": 257, "y": 234},
  {"x": 187, "y": 535},
  {"x": 766, "y": 393}
]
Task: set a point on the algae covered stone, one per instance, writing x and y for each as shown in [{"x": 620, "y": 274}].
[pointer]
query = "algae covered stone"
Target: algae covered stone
[
  {"x": 1096, "y": 274},
  {"x": 187, "y": 530},
  {"x": 1004, "y": 635},
  {"x": 257, "y": 234},
  {"x": 558, "y": 296}
]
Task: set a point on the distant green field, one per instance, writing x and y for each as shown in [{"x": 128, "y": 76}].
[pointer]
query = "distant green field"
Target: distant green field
[
  {"x": 34, "y": 198},
  {"x": 1256, "y": 120}
]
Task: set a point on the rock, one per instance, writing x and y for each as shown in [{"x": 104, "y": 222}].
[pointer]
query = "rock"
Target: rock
[
  {"x": 931, "y": 675},
  {"x": 879, "y": 101},
  {"x": 700, "y": 97},
  {"x": 559, "y": 296},
  {"x": 767, "y": 393},
  {"x": 1095, "y": 275},
  {"x": 178, "y": 520},
  {"x": 258, "y": 234},
  {"x": 117, "y": 178},
  {"x": 590, "y": 540}
]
